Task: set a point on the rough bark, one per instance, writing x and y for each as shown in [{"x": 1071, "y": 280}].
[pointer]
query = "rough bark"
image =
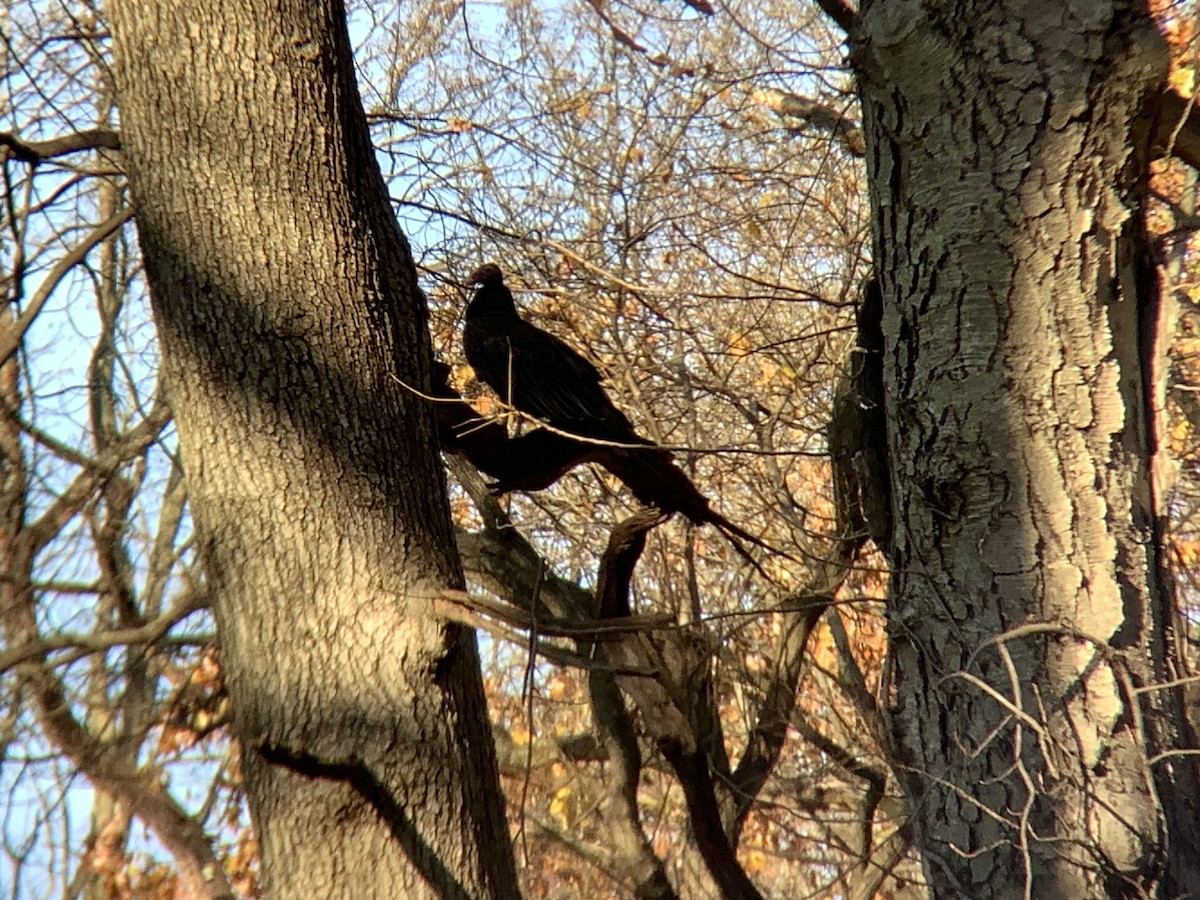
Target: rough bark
[
  {"x": 286, "y": 303},
  {"x": 1031, "y": 614}
]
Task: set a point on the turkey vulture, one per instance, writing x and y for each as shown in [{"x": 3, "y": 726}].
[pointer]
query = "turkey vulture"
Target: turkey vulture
[
  {"x": 540, "y": 375},
  {"x": 535, "y": 371}
]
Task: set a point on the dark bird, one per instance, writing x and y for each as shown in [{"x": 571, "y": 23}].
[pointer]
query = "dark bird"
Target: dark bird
[
  {"x": 535, "y": 371},
  {"x": 543, "y": 377}
]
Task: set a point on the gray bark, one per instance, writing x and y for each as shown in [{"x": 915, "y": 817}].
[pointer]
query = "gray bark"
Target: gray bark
[
  {"x": 285, "y": 299},
  {"x": 1031, "y": 612}
]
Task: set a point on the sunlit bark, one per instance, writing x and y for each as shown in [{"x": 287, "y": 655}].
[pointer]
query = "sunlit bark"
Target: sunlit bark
[{"x": 286, "y": 303}]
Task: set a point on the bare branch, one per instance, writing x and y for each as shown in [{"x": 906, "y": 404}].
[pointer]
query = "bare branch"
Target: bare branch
[
  {"x": 581, "y": 630},
  {"x": 34, "y": 152},
  {"x": 673, "y": 705},
  {"x": 147, "y": 634},
  {"x": 13, "y": 336},
  {"x": 766, "y": 739},
  {"x": 134, "y": 442}
]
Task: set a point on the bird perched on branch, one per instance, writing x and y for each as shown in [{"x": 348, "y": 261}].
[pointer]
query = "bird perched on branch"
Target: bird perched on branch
[
  {"x": 540, "y": 375},
  {"x": 535, "y": 371}
]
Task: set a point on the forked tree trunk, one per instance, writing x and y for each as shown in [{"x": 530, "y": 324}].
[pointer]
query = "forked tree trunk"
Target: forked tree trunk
[
  {"x": 1031, "y": 610},
  {"x": 286, "y": 300}
]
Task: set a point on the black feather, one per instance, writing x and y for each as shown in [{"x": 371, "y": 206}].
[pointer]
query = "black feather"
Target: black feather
[
  {"x": 540, "y": 375},
  {"x": 535, "y": 371}
]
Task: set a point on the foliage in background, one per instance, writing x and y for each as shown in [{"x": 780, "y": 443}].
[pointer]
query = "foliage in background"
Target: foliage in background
[{"x": 678, "y": 195}]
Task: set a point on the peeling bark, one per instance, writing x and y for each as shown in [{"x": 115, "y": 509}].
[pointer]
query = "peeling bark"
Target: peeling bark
[{"x": 1031, "y": 614}]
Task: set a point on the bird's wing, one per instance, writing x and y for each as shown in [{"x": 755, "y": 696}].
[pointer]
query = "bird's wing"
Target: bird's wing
[
  {"x": 538, "y": 373},
  {"x": 541, "y": 375},
  {"x": 555, "y": 383}
]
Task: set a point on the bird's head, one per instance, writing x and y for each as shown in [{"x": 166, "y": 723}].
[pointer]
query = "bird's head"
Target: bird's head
[
  {"x": 493, "y": 299},
  {"x": 487, "y": 274}
]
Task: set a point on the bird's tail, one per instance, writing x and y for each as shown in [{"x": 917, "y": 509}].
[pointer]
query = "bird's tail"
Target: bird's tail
[{"x": 655, "y": 480}]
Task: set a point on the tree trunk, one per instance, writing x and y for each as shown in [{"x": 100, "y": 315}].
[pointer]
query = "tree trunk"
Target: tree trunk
[
  {"x": 1031, "y": 610},
  {"x": 286, "y": 303}
]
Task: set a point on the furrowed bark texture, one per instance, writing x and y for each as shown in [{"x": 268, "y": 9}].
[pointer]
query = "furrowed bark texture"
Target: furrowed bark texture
[
  {"x": 286, "y": 301},
  {"x": 1031, "y": 611}
]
